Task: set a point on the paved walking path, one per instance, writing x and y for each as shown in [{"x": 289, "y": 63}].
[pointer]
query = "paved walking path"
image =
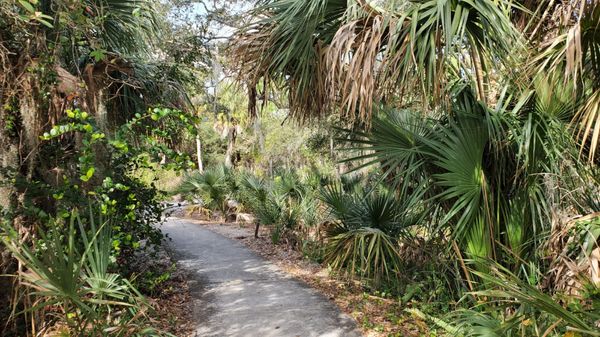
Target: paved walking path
[{"x": 237, "y": 293}]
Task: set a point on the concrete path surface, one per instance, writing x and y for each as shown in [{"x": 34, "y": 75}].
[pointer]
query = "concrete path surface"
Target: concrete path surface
[{"x": 237, "y": 293}]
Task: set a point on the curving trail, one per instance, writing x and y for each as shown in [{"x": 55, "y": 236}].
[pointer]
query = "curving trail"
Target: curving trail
[{"x": 237, "y": 293}]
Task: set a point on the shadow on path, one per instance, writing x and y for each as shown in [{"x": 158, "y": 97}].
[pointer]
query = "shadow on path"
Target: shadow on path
[{"x": 237, "y": 293}]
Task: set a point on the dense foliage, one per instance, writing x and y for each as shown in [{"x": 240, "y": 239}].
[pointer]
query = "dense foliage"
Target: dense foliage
[
  {"x": 479, "y": 121},
  {"x": 90, "y": 95},
  {"x": 441, "y": 151}
]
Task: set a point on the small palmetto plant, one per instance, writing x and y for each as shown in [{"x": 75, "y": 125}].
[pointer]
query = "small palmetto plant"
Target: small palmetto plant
[
  {"x": 255, "y": 194},
  {"x": 284, "y": 203},
  {"x": 74, "y": 276},
  {"x": 365, "y": 251},
  {"x": 211, "y": 186},
  {"x": 364, "y": 238}
]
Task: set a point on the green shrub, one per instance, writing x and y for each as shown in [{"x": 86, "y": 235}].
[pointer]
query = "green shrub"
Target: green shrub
[
  {"x": 365, "y": 251},
  {"x": 364, "y": 239}
]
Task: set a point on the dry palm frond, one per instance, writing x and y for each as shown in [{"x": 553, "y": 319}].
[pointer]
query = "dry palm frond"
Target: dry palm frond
[
  {"x": 285, "y": 48},
  {"x": 352, "y": 65},
  {"x": 199, "y": 210},
  {"x": 572, "y": 265},
  {"x": 352, "y": 55},
  {"x": 574, "y": 50},
  {"x": 588, "y": 119},
  {"x": 582, "y": 54}
]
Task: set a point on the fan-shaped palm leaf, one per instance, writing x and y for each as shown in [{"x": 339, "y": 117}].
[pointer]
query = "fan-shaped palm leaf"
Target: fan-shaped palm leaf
[
  {"x": 459, "y": 154},
  {"x": 365, "y": 251},
  {"x": 127, "y": 27}
]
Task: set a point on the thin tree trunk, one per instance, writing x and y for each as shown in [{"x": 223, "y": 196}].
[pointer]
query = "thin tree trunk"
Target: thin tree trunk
[
  {"x": 231, "y": 138},
  {"x": 331, "y": 146},
  {"x": 32, "y": 120},
  {"x": 259, "y": 134},
  {"x": 199, "y": 153},
  {"x": 9, "y": 159},
  {"x": 101, "y": 111}
]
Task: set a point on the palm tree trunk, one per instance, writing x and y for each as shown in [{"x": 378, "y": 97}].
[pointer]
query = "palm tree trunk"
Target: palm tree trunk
[
  {"x": 479, "y": 78},
  {"x": 231, "y": 138},
  {"x": 9, "y": 160},
  {"x": 32, "y": 120}
]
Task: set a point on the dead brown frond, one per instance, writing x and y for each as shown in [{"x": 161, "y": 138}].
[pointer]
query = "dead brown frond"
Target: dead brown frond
[
  {"x": 573, "y": 260},
  {"x": 249, "y": 66},
  {"x": 570, "y": 48},
  {"x": 353, "y": 65},
  {"x": 353, "y": 57},
  {"x": 587, "y": 121}
]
